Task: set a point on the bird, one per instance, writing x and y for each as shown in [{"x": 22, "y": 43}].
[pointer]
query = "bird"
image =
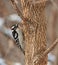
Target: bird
[{"x": 18, "y": 37}]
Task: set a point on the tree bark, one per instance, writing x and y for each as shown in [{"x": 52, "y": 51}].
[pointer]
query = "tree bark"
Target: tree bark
[{"x": 34, "y": 30}]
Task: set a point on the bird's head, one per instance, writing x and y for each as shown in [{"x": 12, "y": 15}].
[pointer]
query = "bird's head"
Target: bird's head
[{"x": 14, "y": 27}]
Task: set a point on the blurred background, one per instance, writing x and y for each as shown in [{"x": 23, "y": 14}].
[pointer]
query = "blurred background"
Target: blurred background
[{"x": 10, "y": 54}]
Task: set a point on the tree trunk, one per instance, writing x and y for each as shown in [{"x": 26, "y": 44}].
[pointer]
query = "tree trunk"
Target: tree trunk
[{"x": 34, "y": 30}]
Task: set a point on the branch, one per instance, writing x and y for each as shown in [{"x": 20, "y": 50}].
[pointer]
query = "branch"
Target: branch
[
  {"x": 14, "y": 4},
  {"x": 38, "y": 58},
  {"x": 51, "y": 47}
]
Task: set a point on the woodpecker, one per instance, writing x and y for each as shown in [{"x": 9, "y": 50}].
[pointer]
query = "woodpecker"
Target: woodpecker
[
  {"x": 14, "y": 32},
  {"x": 17, "y": 37}
]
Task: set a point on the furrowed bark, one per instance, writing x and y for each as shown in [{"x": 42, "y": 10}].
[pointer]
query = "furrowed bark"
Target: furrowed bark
[{"x": 35, "y": 32}]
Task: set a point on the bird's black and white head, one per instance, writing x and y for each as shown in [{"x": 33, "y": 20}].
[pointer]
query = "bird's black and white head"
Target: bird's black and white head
[
  {"x": 14, "y": 27},
  {"x": 18, "y": 37}
]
